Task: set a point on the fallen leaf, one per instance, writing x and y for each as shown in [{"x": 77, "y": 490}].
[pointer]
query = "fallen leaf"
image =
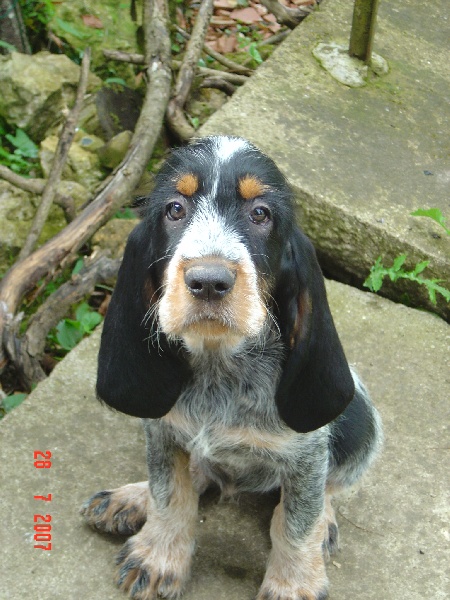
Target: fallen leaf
[
  {"x": 226, "y": 44},
  {"x": 246, "y": 15},
  {"x": 273, "y": 24},
  {"x": 92, "y": 21},
  {"x": 225, "y": 3}
]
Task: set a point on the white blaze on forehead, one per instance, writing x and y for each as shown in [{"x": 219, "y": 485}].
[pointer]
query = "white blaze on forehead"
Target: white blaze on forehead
[
  {"x": 208, "y": 234},
  {"x": 226, "y": 147}
]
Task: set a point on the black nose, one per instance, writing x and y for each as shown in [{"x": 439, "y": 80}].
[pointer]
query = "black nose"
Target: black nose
[{"x": 209, "y": 281}]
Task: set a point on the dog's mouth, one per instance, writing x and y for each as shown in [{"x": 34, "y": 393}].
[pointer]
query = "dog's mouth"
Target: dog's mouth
[{"x": 209, "y": 319}]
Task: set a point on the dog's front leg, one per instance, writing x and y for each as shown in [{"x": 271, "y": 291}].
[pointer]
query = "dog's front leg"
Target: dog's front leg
[
  {"x": 157, "y": 560},
  {"x": 296, "y": 569}
]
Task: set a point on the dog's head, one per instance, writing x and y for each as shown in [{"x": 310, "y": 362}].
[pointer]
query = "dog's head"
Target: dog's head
[{"x": 216, "y": 259}]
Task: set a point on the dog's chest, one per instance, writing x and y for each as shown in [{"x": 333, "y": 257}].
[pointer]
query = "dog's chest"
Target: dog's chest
[
  {"x": 229, "y": 416},
  {"x": 227, "y": 413},
  {"x": 216, "y": 439}
]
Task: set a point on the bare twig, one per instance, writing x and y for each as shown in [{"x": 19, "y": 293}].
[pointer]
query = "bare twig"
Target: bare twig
[
  {"x": 274, "y": 39},
  {"x": 61, "y": 154},
  {"x": 31, "y": 349},
  {"x": 37, "y": 186},
  {"x": 24, "y": 275},
  {"x": 128, "y": 57},
  {"x": 219, "y": 84},
  {"x": 231, "y": 77},
  {"x": 287, "y": 16},
  {"x": 226, "y": 62},
  {"x": 175, "y": 115}
]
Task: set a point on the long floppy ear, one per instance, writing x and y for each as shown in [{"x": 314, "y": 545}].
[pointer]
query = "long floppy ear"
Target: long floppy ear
[
  {"x": 136, "y": 376},
  {"x": 316, "y": 384}
]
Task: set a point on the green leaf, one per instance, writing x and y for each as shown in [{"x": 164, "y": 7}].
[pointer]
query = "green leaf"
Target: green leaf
[
  {"x": 432, "y": 213},
  {"x": 87, "y": 318},
  {"x": 195, "y": 122},
  {"x": 117, "y": 80},
  {"x": 68, "y": 334},
  {"x": 125, "y": 213},
  {"x": 433, "y": 287},
  {"x": 82, "y": 310},
  {"x": 421, "y": 267},
  {"x": 12, "y": 401},
  {"x": 90, "y": 321},
  {"x": 398, "y": 262},
  {"x": 71, "y": 29},
  {"x": 254, "y": 53},
  {"x": 23, "y": 144},
  {"x": 14, "y": 162},
  {"x": 377, "y": 272},
  {"x": 374, "y": 280},
  {"x": 78, "y": 266},
  {"x": 7, "y": 46}
]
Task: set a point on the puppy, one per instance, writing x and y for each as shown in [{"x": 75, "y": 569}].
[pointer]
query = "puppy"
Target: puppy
[{"x": 219, "y": 336}]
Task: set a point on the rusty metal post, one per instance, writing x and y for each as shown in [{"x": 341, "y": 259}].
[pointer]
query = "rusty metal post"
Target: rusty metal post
[{"x": 363, "y": 29}]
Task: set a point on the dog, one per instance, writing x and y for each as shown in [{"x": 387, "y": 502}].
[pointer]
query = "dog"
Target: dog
[{"x": 219, "y": 336}]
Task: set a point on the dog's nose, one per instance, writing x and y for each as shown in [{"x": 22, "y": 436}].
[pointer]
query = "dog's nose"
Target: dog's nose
[{"x": 209, "y": 281}]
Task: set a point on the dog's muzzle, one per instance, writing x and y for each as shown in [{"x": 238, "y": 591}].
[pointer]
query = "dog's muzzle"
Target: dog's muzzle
[{"x": 209, "y": 281}]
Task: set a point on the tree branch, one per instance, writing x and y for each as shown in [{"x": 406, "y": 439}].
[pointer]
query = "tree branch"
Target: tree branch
[
  {"x": 175, "y": 114},
  {"x": 128, "y": 57},
  {"x": 231, "y": 77},
  {"x": 219, "y": 84},
  {"x": 37, "y": 186},
  {"x": 61, "y": 154},
  {"x": 31, "y": 348}
]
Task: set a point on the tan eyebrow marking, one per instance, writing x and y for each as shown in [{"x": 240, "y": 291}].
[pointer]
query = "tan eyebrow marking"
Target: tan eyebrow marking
[
  {"x": 187, "y": 185},
  {"x": 250, "y": 187}
]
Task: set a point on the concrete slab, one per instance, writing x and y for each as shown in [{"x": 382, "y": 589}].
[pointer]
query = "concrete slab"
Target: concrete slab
[
  {"x": 360, "y": 159},
  {"x": 394, "y": 528}
]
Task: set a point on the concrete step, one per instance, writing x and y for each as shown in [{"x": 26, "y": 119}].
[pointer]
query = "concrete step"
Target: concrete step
[{"x": 393, "y": 527}]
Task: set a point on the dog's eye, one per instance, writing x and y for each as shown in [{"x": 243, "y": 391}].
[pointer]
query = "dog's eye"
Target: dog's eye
[
  {"x": 260, "y": 214},
  {"x": 175, "y": 211}
]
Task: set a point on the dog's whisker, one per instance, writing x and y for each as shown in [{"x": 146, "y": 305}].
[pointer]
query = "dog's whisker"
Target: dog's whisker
[{"x": 167, "y": 255}]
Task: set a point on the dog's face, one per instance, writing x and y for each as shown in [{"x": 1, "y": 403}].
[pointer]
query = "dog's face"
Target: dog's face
[
  {"x": 225, "y": 212},
  {"x": 217, "y": 260}
]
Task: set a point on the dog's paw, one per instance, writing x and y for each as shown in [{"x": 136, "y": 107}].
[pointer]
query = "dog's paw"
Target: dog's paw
[
  {"x": 148, "y": 569},
  {"x": 300, "y": 577},
  {"x": 297, "y": 573},
  {"x": 122, "y": 511}
]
